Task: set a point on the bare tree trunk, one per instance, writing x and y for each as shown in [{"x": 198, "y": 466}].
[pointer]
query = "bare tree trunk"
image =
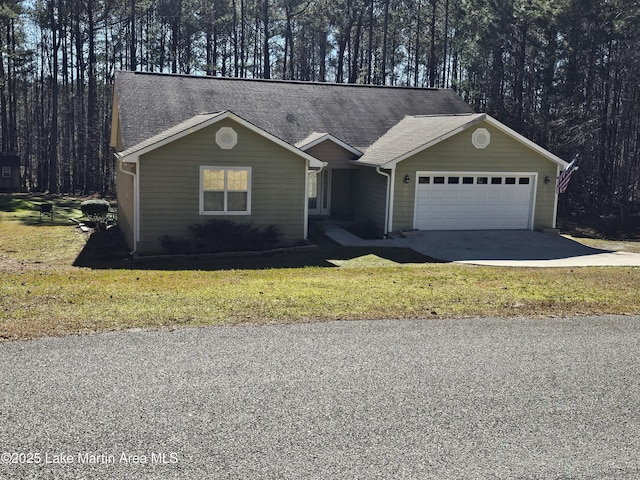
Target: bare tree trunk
[
  {"x": 53, "y": 147},
  {"x": 236, "y": 50},
  {"x": 385, "y": 39},
  {"x": 416, "y": 67},
  {"x": 354, "y": 70},
  {"x": 93, "y": 135},
  {"x": 519, "y": 77},
  {"x": 3, "y": 102},
  {"x": 432, "y": 52},
  {"x": 243, "y": 62},
  {"x": 445, "y": 51},
  {"x": 323, "y": 56},
  {"x": 175, "y": 36},
  {"x": 132, "y": 41},
  {"x": 369, "y": 78},
  {"x": 287, "y": 67},
  {"x": 209, "y": 67},
  {"x": 80, "y": 117},
  {"x": 266, "y": 56}
]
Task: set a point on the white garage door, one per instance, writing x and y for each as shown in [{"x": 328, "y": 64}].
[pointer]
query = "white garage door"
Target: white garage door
[{"x": 474, "y": 201}]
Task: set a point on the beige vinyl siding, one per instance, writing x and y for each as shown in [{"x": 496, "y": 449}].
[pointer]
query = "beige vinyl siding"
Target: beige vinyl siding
[
  {"x": 369, "y": 197},
  {"x": 457, "y": 154},
  {"x": 170, "y": 184},
  {"x": 125, "y": 194}
]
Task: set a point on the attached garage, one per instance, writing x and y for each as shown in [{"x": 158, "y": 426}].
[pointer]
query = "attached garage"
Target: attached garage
[
  {"x": 462, "y": 172},
  {"x": 474, "y": 201}
]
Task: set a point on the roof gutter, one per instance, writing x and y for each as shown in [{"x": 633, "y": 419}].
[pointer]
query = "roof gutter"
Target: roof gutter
[{"x": 388, "y": 208}]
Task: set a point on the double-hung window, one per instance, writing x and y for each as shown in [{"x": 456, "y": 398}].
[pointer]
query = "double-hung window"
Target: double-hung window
[
  {"x": 6, "y": 172},
  {"x": 225, "y": 190}
]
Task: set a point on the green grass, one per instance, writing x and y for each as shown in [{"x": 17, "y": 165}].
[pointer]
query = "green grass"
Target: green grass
[
  {"x": 607, "y": 244},
  {"x": 26, "y": 237},
  {"x": 42, "y": 292}
]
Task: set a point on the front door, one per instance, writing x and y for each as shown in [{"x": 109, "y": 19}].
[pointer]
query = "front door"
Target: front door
[{"x": 319, "y": 188}]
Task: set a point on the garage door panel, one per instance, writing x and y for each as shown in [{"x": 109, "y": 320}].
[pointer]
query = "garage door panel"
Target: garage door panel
[
  {"x": 467, "y": 195},
  {"x": 494, "y": 194},
  {"x": 452, "y": 195},
  {"x": 497, "y": 204},
  {"x": 480, "y": 195}
]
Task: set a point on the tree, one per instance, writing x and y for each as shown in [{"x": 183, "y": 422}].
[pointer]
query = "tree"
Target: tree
[{"x": 563, "y": 72}]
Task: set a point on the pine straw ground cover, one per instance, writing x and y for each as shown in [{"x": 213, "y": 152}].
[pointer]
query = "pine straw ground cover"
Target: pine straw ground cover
[{"x": 43, "y": 293}]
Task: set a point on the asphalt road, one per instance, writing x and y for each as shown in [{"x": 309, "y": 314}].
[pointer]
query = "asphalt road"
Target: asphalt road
[{"x": 441, "y": 399}]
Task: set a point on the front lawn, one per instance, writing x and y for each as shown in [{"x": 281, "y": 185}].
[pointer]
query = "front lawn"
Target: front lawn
[{"x": 43, "y": 293}]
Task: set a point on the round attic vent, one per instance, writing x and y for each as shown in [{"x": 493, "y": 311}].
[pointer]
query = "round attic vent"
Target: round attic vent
[
  {"x": 226, "y": 138},
  {"x": 481, "y": 138}
]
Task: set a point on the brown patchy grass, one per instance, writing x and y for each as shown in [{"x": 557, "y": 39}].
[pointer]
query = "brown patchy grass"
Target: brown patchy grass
[{"x": 42, "y": 293}]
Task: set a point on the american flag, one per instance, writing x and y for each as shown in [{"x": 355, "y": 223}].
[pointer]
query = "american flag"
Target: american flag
[{"x": 565, "y": 175}]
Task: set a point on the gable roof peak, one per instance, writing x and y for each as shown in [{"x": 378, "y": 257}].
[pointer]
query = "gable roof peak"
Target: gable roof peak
[
  {"x": 198, "y": 122},
  {"x": 319, "y": 137}
]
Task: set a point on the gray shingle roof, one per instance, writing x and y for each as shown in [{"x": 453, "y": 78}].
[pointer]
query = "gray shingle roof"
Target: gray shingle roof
[
  {"x": 312, "y": 137},
  {"x": 415, "y": 133},
  {"x": 170, "y": 132},
  {"x": 357, "y": 114}
]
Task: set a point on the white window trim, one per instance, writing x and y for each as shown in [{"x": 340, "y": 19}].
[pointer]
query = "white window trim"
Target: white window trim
[
  {"x": 225, "y": 212},
  {"x": 6, "y": 171}
]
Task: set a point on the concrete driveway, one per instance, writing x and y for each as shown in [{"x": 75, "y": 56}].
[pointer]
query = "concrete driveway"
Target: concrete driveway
[{"x": 515, "y": 248}]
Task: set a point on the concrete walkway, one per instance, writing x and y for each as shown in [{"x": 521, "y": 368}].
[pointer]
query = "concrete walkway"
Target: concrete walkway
[{"x": 514, "y": 248}]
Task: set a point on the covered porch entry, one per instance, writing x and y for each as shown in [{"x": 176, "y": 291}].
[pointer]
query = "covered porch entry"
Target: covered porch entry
[{"x": 330, "y": 193}]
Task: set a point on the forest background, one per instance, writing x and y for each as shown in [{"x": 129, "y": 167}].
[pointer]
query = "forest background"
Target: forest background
[{"x": 565, "y": 73}]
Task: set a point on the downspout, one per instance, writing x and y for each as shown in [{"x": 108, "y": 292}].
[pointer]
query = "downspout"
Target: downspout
[
  {"x": 135, "y": 203},
  {"x": 555, "y": 199},
  {"x": 388, "y": 215}
]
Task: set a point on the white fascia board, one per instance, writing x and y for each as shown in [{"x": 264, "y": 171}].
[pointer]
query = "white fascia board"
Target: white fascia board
[
  {"x": 526, "y": 142},
  {"x": 392, "y": 163},
  {"x": 331, "y": 138},
  {"x": 491, "y": 121},
  {"x": 132, "y": 155}
]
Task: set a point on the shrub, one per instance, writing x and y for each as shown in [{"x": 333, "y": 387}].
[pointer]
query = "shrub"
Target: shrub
[
  {"x": 175, "y": 245},
  {"x": 95, "y": 208},
  {"x": 222, "y": 235}
]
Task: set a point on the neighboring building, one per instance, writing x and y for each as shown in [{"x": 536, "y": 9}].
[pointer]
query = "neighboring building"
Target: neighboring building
[
  {"x": 190, "y": 148},
  {"x": 10, "y": 179}
]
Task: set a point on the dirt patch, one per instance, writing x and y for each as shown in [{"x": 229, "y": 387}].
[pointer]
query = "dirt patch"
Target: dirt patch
[{"x": 11, "y": 265}]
